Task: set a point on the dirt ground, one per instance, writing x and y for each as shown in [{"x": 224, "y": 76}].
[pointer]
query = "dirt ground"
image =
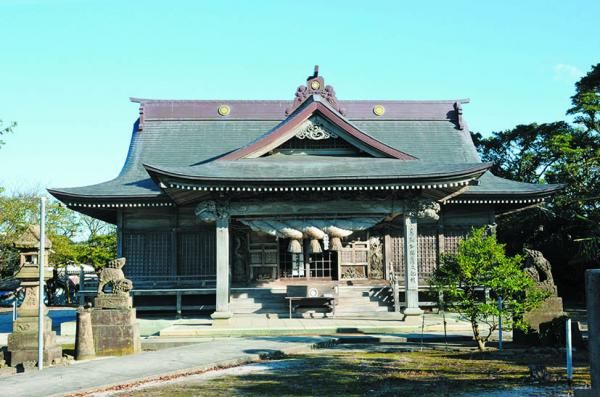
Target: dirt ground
[{"x": 387, "y": 371}]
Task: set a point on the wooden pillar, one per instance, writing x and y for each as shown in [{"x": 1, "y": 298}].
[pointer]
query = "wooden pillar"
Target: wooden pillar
[
  {"x": 119, "y": 233},
  {"x": 175, "y": 271},
  {"x": 411, "y": 273},
  {"x": 222, "y": 310}
]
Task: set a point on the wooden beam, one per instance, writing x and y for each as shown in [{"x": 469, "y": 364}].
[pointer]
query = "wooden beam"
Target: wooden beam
[
  {"x": 336, "y": 207},
  {"x": 518, "y": 210},
  {"x": 454, "y": 194}
]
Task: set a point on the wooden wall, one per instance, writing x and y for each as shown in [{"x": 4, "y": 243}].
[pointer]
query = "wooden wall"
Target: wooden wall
[
  {"x": 434, "y": 238},
  {"x": 171, "y": 242},
  {"x": 166, "y": 242}
]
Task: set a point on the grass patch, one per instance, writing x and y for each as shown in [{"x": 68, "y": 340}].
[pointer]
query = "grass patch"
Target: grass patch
[{"x": 359, "y": 373}]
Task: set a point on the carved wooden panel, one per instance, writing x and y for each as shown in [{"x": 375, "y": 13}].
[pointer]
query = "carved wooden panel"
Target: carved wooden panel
[{"x": 354, "y": 260}]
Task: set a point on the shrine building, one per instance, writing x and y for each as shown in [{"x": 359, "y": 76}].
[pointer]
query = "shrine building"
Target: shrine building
[{"x": 222, "y": 199}]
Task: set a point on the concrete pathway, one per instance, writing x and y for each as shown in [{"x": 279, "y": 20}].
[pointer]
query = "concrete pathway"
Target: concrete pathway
[
  {"x": 101, "y": 373},
  {"x": 242, "y": 326}
]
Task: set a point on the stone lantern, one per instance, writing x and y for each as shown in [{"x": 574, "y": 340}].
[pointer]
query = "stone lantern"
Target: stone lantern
[{"x": 23, "y": 341}]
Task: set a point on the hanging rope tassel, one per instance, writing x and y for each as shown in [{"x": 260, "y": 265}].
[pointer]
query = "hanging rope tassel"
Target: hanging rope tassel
[
  {"x": 314, "y": 234},
  {"x": 336, "y": 243},
  {"x": 336, "y": 234},
  {"x": 315, "y": 246},
  {"x": 295, "y": 247}
]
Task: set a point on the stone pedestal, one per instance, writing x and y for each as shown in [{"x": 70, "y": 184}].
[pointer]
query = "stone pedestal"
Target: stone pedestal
[
  {"x": 592, "y": 296},
  {"x": 546, "y": 325},
  {"x": 221, "y": 319},
  {"x": 84, "y": 338},
  {"x": 550, "y": 309},
  {"x": 411, "y": 272},
  {"x": 114, "y": 327},
  {"x": 23, "y": 341}
]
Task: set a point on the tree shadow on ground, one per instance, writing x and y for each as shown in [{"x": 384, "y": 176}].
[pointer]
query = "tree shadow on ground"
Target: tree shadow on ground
[{"x": 331, "y": 373}]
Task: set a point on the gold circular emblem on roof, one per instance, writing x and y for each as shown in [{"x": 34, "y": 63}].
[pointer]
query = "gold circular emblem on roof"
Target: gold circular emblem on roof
[
  {"x": 315, "y": 85},
  {"x": 224, "y": 110},
  {"x": 379, "y": 110}
]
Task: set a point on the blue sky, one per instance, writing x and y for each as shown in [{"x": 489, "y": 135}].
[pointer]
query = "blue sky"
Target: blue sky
[{"x": 68, "y": 67}]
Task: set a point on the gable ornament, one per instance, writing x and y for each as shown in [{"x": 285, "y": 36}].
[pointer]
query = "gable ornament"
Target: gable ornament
[
  {"x": 315, "y": 85},
  {"x": 315, "y": 130}
]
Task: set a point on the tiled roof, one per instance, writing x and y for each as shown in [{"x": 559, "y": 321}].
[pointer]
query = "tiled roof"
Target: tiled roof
[
  {"x": 317, "y": 168},
  {"x": 187, "y": 143},
  {"x": 180, "y": 134},
  {"x": 154, "y": 109},
  {"x": 492, "y": 185}
]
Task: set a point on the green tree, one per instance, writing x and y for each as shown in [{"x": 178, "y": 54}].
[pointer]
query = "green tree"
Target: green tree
[
  {"x": 586, "y": 101},
  {"x": 5, "y": 129},
  {"x": 480, "y": 263},
  {"x": 98, "y": 250},
  {"x": 65, "y": 229},
  {"x": 567, "y": 228}
]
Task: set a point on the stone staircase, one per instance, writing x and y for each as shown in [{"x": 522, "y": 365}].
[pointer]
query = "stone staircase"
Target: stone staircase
[
  {"x": 353, "y": 301},
  {"x": 364, "y": 301},
  {"x": 252, "y": 301}
]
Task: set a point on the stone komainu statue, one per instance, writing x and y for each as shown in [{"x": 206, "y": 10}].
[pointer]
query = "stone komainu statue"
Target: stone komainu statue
[
  {"x": 112, "y": 274},
  {"x": 540, "y": 270}
]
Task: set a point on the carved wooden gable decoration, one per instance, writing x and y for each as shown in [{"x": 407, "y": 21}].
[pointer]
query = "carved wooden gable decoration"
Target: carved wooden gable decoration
[
  {"x": 317, "y": 136},
  {"x": 316, "y": 122}
]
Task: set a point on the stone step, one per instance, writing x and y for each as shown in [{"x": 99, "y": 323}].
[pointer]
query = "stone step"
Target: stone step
[
  {"x": 258, "y": 305},
  {"x": 360, "y": 293},
  {"x": 362, "y": 308},
  {"x": 257, "y": 300},
  {"x": 360, "y": 301},
  {"x": 247, "y": 309},
  {"x": 255, "y": 294}
]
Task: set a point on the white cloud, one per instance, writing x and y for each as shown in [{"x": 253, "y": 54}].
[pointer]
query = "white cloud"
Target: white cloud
[{"x": 566, "y": 72}]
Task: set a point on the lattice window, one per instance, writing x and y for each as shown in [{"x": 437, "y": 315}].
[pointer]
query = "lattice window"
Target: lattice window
[
  {"x": 197, "y": 253},
  {"x": 428, "y": 249},
  {"x": 264, "y": 252},
  {"x": 148, "y": 254},
  {"x": 397, "y": 254},
  {"x": 453, "y": 235},
  {"x": 321, "y": 265},
  {"x": 354, "y": 260}
]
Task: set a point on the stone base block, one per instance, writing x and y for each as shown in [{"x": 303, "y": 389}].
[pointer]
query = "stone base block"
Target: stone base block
[
  {"x": 113, "y": 316},
  {"x": 23, "y": 341},
  {"x": 221, "y": 319},
  {"x": 550, "y": 309},
  {"x": 51, "y": 354},
  {"x": 221, "y": 315},
  {"x": 29, "y": 340},
  {"x": 412, "y": 311},
  {"x": 30, "y": 324},
  {"x": 546, "y": 326},
  {"x": 115, "y": 332},
  {"x": 28, "y": 311},
  {"x": 110, "y": 301}
]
